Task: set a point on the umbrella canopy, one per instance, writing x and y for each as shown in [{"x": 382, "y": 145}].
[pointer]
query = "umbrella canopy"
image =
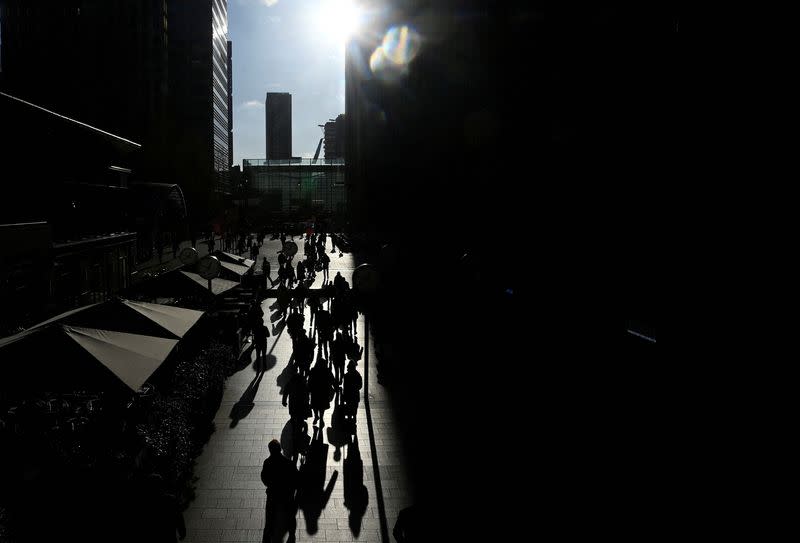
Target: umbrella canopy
[
  {"x": 131, "y": 357},
  {"x": 175, "y": 319},
  {"x": 218, "y": 285},
  {"x": 130, "y": 340},
  {"x": 234, "y": 259}
]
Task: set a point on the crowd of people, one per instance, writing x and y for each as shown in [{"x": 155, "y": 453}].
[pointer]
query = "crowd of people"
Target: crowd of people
[{"x": 322, "y": 368}]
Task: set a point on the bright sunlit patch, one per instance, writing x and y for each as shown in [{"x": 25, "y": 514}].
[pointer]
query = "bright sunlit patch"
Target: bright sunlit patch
[{"x": 335, "y": 20}]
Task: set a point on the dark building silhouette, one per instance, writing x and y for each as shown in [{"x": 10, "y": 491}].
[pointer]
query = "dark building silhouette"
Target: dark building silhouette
[
  {"x": 200, "y": 136},
  {"x": 278, "y": 107},
  {"x": 67, "y": 229},
  {"x": 335, "y": 138},
  {"x": 104, "y": 62},
  {"x": 506, "y": 131}
]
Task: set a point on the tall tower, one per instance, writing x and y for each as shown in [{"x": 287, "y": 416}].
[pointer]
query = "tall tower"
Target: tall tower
[
  {"x": 279, "y": 125},
  {"x": 198, "y": 71}
]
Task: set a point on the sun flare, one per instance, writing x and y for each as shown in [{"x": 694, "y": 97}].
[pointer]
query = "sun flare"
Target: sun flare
[{"x": 336, "y": 20}]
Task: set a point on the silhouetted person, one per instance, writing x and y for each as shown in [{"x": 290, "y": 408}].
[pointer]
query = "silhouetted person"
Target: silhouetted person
[
  {"x": 326, "y": 264},
  {"x": 406, "y": 528},
  {"x": 296, "y": 391},
  {"x": 351, "y": 391},
  {"x": 314, "y": 304},
  {"x": 301, "y": 271},
  {"x": 284, "y": 298},
  {"x": 260, "y": 334},
  {"x": 265, "y": 270},
  {"x": 338, "y": 353},
  {"x": 290, "y": 275},
  {"x": 324, "y": 330},
  {"x": 299, "y": 296},
  {"x": 322, "y": 387},
  {"x": 280, "y": 477},
  {"x": 338, "y": 281},
  {"x": 302, "y": 352},
  {"x": 294, "y": 323}
]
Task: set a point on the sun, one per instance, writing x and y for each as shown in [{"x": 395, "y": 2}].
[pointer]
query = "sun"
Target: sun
[{"x": 335, "y": 20}]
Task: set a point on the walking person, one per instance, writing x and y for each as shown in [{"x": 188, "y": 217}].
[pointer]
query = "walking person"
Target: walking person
[
  {"x": 260, "y": 335},
  {"x": 324, "y": 330},
  {"x": 296, "y": 392},
  {"x": 283, "y": 300},
  {"x": 265, "y": 267},
  {"x": 352, "y": 392},
  {"x": 281, "y": 479},
  {"x": 338, "y": 354},
  {"x": 326, "y": 265},
  {"x": 322, "y": 387}
]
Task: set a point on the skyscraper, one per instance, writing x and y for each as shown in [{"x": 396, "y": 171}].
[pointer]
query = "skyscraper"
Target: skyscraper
[
  {"x": 198, "y": 70},
  {"x": 279, "y": 125},
  {"x": 230, "y": 104}
]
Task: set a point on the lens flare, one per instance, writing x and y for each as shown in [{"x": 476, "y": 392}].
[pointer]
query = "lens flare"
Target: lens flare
[{"x": 398, "y": 48}]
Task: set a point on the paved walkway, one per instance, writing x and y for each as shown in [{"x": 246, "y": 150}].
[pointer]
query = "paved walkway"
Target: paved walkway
[{"x": 231, "y": 499}]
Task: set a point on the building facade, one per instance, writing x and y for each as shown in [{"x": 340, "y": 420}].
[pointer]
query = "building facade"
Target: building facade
[
  {"x": 199, "y": 103},
  {"x": 299, "y": 187},
  {"x": 104, "y": 62},
  {"x": 230, "y": 105},
  {"x": 278, "y": 106},
  {"x": 335, "y": 138}
]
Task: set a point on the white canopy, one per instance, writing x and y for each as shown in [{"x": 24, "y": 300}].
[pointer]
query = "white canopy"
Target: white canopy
[
  {"x": 240, "y": 259},
  {"x": 131, "y": 357},
  {"x": 235, "y": 268},
  {"x": 218, "y": 286},
  {"x": 175, "y": 319}
]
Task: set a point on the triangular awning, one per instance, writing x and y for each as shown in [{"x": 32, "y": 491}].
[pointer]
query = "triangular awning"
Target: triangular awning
[
  {"x": 235, "y": 268},
  {"x": 22, "y": 335},
  {"x": 175, "y": 319},
  {"x": 131, "y": 357},
  {"x": 218, "y": 286},
  {"x": 229, "y": 257}
]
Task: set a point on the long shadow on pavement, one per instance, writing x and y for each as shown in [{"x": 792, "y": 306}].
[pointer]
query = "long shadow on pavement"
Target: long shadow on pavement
[{"x": 314, "y": 494}]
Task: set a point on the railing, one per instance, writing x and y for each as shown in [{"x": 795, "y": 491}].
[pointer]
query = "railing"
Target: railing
[{"x": 293, "y": 162}]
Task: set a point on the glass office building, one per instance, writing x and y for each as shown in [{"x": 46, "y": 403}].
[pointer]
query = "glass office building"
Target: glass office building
[{"x": 294, "y": 185}]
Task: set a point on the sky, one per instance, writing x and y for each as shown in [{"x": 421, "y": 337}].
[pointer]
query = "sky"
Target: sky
[{"x": 293, "y": 46}]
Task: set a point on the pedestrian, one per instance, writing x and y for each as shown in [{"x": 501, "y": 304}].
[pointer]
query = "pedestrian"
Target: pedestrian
[
  {"x": 265, "y": 268},
  {"x": 314, "y": 304},
  {"x": 283, "y": 300},
  {"x": 290, "y": 276},
  {"x": 324, "y": 330},
  {"x": 338, "y": 281},
  {"x": 260, "y": 335},
  {"x": 326, "y": 263},
  {"x": 300, "y": 295},
  {"x": 301, "y": 272},
  {"x": 175, "y": 245},
  {"x": 352, "y": 391},
  {"x": 295, "y": 323},
  {"x": 296, "y": 391},
  {"x": 338, "y": 350},
  {"x": 322, "y": 388},
  {"x": 281, "y": 479}
]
